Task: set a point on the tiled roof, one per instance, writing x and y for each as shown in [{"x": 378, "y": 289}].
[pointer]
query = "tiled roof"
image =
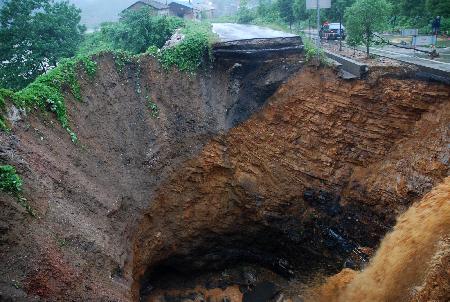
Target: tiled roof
[{"x": 154, "y": 4}]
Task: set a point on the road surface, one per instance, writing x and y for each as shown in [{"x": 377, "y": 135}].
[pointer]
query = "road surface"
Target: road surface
[{"x": 233, "y": 32}]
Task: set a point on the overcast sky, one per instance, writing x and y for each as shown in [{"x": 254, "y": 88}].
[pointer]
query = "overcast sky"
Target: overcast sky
[{"x": 95, "y": 12}]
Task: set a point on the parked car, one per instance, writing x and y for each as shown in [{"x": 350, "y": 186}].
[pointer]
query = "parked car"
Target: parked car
[{"x": 332, "y": 31}]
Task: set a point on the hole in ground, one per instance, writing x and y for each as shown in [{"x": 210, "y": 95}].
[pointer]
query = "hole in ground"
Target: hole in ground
[{"x": 261, "y": 263}]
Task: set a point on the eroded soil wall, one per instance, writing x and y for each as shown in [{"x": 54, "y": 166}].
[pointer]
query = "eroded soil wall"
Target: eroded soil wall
[
  {"x": 325, "y": 166},
  {"x": 89, "y": 196}
]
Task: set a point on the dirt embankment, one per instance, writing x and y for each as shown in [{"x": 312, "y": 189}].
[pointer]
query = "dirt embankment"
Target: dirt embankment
[
  {"x": 412, "y": 263},
  {"x": 324, "y": 168},
  {"x": 89, "y": 196}
]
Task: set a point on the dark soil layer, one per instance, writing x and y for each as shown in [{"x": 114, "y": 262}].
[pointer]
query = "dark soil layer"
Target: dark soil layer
[
  {"x": 89, "y": 196},
  {"x": 320, "y": 173}
]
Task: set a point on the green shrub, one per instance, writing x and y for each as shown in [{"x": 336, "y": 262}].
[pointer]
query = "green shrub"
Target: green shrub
[
  {"x": 310, "y": 51},
  {"x": 10, "y": 182},
  {"x": 153, "y": 107},
  {"x": 188, "y": 55},
  {"x": 47, "y": 91},
  {"x": 4, "y": 94}
]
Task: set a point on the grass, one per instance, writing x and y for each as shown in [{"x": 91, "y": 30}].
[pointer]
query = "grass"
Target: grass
[{"x": 153, "y": 107}]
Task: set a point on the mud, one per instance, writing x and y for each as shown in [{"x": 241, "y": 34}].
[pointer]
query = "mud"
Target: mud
[
  {"x": 411, "y": 262},
  {"x": 89, "y": 196},
  {"x": 313, "y": 181}
]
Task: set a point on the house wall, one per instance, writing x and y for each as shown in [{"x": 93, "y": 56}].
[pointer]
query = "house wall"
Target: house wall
[{"x": 181, "y": 11}]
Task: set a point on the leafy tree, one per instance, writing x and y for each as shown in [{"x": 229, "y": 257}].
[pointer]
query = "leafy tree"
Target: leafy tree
[
  {"x": 139, "y": 29},
  {"x": 299, "y": 10},
  {"x": 286, "y": 11},
  {"x": 364, "y": 18},
  {"x": 267, "y": 11},
  {"x": 337, "y": 9},
  {"x": 439, "y": 7},
  {"x": 34, "y": 35},
  {"x": 135, "y": 32},
  {"x": 244, "y": 14}
]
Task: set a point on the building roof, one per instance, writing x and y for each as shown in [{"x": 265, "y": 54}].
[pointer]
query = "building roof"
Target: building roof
[
  {"x": 155, "y": 4},
  {"x": 182, "y": 3}
]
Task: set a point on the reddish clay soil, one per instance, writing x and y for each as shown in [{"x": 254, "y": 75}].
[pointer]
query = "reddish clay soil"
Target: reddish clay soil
[{"x": 323, "y": 154}]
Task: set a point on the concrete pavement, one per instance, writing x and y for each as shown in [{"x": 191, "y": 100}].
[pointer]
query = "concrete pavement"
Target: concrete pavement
[{"x": 234, "y": 32}]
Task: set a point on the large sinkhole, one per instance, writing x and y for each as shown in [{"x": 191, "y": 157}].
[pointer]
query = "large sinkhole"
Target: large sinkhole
[{"x": 279, "y": 257}]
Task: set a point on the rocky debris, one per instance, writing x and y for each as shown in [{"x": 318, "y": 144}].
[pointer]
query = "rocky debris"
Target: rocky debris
[{"x": 175, "y": 39}]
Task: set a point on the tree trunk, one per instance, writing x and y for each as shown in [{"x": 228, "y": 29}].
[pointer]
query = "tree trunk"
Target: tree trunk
[{"x": 368, "y": 44}]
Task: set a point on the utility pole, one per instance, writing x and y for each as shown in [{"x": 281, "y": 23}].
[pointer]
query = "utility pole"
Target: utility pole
[
  {"x": 318, "y": 29},
  {"x": 340, "y": 30}
]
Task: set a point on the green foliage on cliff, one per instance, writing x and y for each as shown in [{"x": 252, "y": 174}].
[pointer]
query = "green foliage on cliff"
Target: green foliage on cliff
[
  {"x": 11, "y": 183},
  {"x": 47, "y": 91},
  {"x": 189, "y": 54},
  {"x": 4, "y": 94},
  {"x": 154, "y": 110}
]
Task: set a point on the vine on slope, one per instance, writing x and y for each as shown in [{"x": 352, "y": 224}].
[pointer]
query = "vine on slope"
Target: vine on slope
[{"x": 47, "y": 91}]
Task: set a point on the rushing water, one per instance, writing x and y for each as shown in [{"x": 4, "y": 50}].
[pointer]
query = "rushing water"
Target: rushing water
[{"x": 405, "y": 256}]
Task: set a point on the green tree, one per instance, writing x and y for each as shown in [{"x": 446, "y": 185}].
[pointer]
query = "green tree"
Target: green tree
[
  {"x": 299, "y": 10},
  {"x": 286, "y": 11},
  {"x": 244, "y": 14},
  {"x": 34, "y": 35},
  {"x": 267, "y": 11},
  {"x": 337, "y": 9},
  {"x": 364, "y": 18},
  {"x": 138, "y": 30},
  {"x": 439, "y": 7}
]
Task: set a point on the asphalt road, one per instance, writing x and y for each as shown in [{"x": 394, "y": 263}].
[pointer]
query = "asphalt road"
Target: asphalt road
[{"x": 233, "y": 32}]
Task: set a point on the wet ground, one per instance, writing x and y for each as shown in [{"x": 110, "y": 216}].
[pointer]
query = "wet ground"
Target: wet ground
[
  {"x": 405, "y": 55},
  {"x": 233, "y": 32},
  {"x": 242, "y": 283}
]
